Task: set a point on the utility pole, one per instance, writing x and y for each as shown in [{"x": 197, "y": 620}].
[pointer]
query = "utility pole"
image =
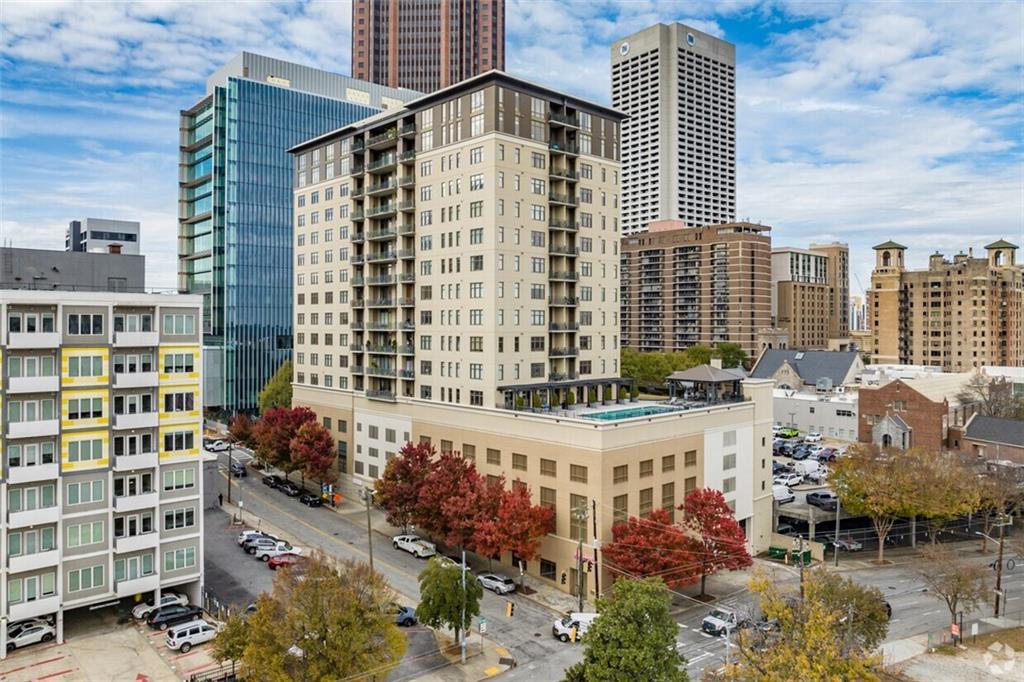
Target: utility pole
[
  {"x": 465, "y": 634},
  {"x": 231, "y": 459},
  {"x": 580, "y": 515},
  {"x": 597, "y": 568},
  {"x": 800, "y": 558},
  {"x": 999, "y": 566},
  {"x": 835, "y": 547},
  {"x": 367, "y": 495}
]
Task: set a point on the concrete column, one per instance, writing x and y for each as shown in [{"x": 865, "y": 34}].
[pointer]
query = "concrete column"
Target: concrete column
[
  {"x": 3, "y": 637},
  {"x": 60, "y": 625}
]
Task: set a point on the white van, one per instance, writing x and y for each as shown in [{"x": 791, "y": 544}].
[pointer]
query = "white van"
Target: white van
[
  {"x": 806, "y": 467},
  {"x": 184, "y": 637},
  {"x": 581, "y": 622},
  {"x": 782, "y": 494}
]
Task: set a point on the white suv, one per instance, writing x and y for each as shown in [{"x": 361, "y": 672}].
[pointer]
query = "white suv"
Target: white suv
[
  {"x": 184, "y": 637},
  {"x": 414, "y": 545},
  {"x": 266, "y": 550}
]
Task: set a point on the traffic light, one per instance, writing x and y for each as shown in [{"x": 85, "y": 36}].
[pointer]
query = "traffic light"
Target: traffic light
[
  {"x": 563, "y": 577},
  {"x": 590, "y": 566},
  {"x": 510, "y": 608}
]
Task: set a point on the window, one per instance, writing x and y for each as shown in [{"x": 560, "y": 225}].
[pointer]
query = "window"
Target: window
[
  {"x": 578, "y": 518},
  {"x": 30, "y": 454},
  {"x": 646, "y": 502},
  {"x": 180, "y": 402},
  {"x": 85, "y": 324},
  {"x": 133, "y": 363},
  {"x": 476, "y": 235},
  {"x": 31, "y": 588},
  {"x": 547, "y": 499},
  {"x": 133, "y": 322},
  {"x": 537, "y": 212},
  {"x": 668, "y": 499},
  {"x": 620, "y": 509},
  {"x": 84, "y": 492},
  {"x": 31, "y": 542},
  {"x": 620, "y": 474},
  {"x": 179, "y": 441},
  {"x": 85, "y": 534},
  {"x": 577, "y": 473},
  {"x": 548, "y": 569},
  {"x": 85, "y": 408},
  {"x": 30, "y": 410},
  {"x": 133, "y": 567},
  {"x": 476, "y": 370},
  {"x": 30, "y": 323},
  {"x": 690, "y": 458},
  {"x": 646, "y": 468},
  {"x": 85, "y": 578},
  {"x": 547, "y": 467},
  {"x": 179, "y": 518},
  {"x": 177, "y": 559},
  {"x": 729, "y": 461},
  {"x": 476, "y": 181},
  {"x": 518, "y": 461},
  {"x": 690, "y": 485},
  {"x": 668, "y": 463},
  {"x": 476, "y": 126},
  {"x": 494, "y": 456},
  {"x": 179, "y": 324},
  {"x": 729, "y": 484},
  {"x": 31, "y": 366},
  {"x": 476, "y": 263},
  {"x": 538, "y": 160},
  {"x": 538, "y": 186},
  {"x": 179, "y": 479},
  {"x": 85, "y": 450},
  {"x": 476, "y": 155},
  {"x": 729, "y": 439},
  {"x": 178, "y": 363},
  {"x": 85, "y": 366}
]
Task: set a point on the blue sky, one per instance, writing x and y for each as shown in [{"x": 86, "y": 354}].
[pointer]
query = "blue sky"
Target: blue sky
[{"x": 856, "y": 121}]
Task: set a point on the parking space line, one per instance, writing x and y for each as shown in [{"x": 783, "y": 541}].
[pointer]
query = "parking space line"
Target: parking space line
[
  {"x": 201, "y": 667},
  {"x": 190, "y": 653},
  {"x": 33, "y": 665},
  {"x": 57, "y": 674}
]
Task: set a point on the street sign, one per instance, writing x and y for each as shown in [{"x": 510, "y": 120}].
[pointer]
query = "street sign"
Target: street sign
[
  {"x": 483, "y": 625},
  {"x": 954, "y": 630},
  {"x": 974, "y": 629}
]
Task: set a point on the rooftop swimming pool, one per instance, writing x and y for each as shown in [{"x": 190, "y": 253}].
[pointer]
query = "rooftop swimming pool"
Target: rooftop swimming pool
[{"x": 645, "y": 411}]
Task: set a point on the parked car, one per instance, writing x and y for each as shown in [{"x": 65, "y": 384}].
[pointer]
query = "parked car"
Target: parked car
[
  {"x": 414, "y": 545},
  {"x": 404, "y": 615},
  {"x": 719, "y": 622},
  {"x": 784, "y": 529},
  {"x": 801, "y": 453},
  {"x": 311, "y": 500},
  {"x": 238, "y": 470},
  {"x": 818, "y": 476},
  {"x": 826, "y": 455},
  {"x": 255, "y": 464},
  {"x": 786, "y": 450},
  {"x": 806, "y": 466},
  {"x": 247, "y": 534},
  {"x": 183, "y": 637},
  {"x": 823, "y": 499},
  {"x": 166, "y": 599},
  {"x": 15, "y": 628},
  {"x": 250, "y": 544},
  {"x": 266, "y": 551},
  {"x": 782, "y": 494},
  {"x": 813, "y": 437},
  {"x": 37, "y": 631},
  {"x": 290, "y": 489},
  {"x": 849, "y": 544},
  {"x": 272, "y": 481},
  {"x": 166, "y": 616},
  {"x": 789, "y": 479},
  {"x": 580, "y": 622},
  {"x": 778, "y": 468},
  {"x": 776, "y": 428},
  {"x": 286, "y": 559},
  {"x": 496, "y": 582},
  {"x": 788, "y": 432}
]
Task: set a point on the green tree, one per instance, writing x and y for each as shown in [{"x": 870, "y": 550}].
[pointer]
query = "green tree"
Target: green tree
[
  {"x": 633, "y": 639},
  {"x": 863, "y": 603},
  {"x": 231, "y": 641},
  {"x": 332, "y": 624},
  {"x": 947, "y": 487},
  {"x": 441, "y": 597},
  {"x": 277, "y": 392},
  {"x": 732, "y": 354},
  {"x": 815, "y": 638},
  {"x": 693, "y": 356},
  {"x": 959, "y": 584}
]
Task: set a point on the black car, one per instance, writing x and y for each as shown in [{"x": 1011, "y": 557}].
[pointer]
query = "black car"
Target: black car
[
  {"x": 166, "y": 616},
  {"x": 311, "y": 500},
  {"x": 801, "y": 453},
  {"x": 238, "y": 470},
  {"x": 786, "y": 450},
  {"x": 823, "y": 500},
  {"x": 273, "y": 481},
  {"x": 289, "y": 489}
]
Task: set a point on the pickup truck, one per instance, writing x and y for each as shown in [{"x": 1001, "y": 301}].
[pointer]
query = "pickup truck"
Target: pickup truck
[
  {"x": 414, "y": 545},
  {"x": 719, "y": 622}
]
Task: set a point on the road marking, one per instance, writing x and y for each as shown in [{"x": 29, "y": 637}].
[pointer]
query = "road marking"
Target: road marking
[
  {"x": 704, "y": 634},
  {"x": 492, "y": 671},
  {"x": 699, "y": 658},
  {"x": 928, "y": 613},
  {"x": 57, "y": 674},
  {"x": 682, "y": 625}
]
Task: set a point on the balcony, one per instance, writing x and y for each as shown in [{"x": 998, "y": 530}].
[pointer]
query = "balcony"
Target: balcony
[
  {"x": 376, "y": 394},
  {"x": 46, "y": 427},
  {"x": 130, "y": 588},
  {"x": 570, "y": 148},
  {"x": 127, "y": 503},
  {"x": 407, "y": 206},
  {"x": 406, "y": 301},
  {"x": 382, "y": 257},
  {"x": 357, "y": 215},
  {"x": 563, "y": 225},
  {"x": 563, "y": 300},
  {"x": 386, "y": 372},
  {"x": 407, "y": 129},
  {"x": 136, "y": 379},
  {"x": 564, "y": 326},
  {"x": 564, "y": 199},
  {"x": 407, "y": 326},
  {"x": 33, "y": 609},
  {"x": 356, "y": 347},
  {"x": 357, "y": 369},
  {"x": 139, "y": 420},
  {"x": 357, "y": 192},
  {"x": 406, "y": 277},
  {"x": 383, "y": 210},
  {"x": 33, "y": 517},
  {"x": 380, "y": 280},
  {"x": 136, "y": 543},
  {"x": 563, "y": 174},
  {"x": 381, "y": 234},
  {"x": 407, "y": 373},
  {"x": 357, "y": 259},
  {"x": 563, "y": 352},
  {"x": 357, "y": 326},
  {"x": 33, "y": 340},
  {"x": 359, "y": 304},
  {"x": 407, "y": 349},
  {"x": 564, "y": 276},
  {"x": 358, "y": 238},
  {"x": 564, "y": 120},
  {"x": 379, "y": 349},
  {"x": 382, "y": 139},
  {"x": 406, "y": 181},
  {"x": 383, "y": 164},
  {"x": 34, "y": 384},
  {"x": 561, "y": 376},
  {"x": 358, "y": 144},
  {"x": 381, "y": 303},
  {"x": 136, "y": 339},
  {"x": 144, "y": 460},
  {"x": 34, "y": 562},
  {"x": 381, "y": 326},
  {"x": 563, "y": 250},
  {"x": 407, "y": 156},
  {"x": 407, "y": 254},
  {"x": 33, "y": 473},
  {"x": 407, "y": 229}
]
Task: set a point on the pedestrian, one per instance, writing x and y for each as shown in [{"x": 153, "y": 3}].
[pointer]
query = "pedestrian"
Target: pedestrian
[{"x": 220, "y": 499}]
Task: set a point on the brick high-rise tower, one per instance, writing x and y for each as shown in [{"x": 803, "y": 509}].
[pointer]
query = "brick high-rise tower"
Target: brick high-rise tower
[{"x": 426, "y": 44}]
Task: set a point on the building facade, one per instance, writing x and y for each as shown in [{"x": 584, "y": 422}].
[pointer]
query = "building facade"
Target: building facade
[
  {"x": 235, "y": 208},
  {"x": 464, "y": 292},
  {"x": 677, "y": 86},
  {"x": 101, "y": 434},
  {"x": 426, "y": 45},
  {"x": 918, "y": 412},
  {"x": 101, "y": 235},
  {"x": 811, "y": 294},
  {"x": 46, "y": 270},
  {"x": 682, "y": 286},
  {"x": 955, "y": 315}
]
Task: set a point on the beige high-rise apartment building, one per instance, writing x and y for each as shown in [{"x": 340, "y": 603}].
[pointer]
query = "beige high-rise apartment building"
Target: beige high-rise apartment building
[
  {"x": 810, "y": 289},
  {"x": 687, "y": 285},
  {"x": 678, "y": 87},
  {"x": 956, "y": 315},
  {"x": 457, "y": 281}
]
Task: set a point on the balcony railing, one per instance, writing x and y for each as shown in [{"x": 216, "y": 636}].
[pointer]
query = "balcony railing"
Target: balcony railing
[
  {"x": 406, "y": 326},
  {"x": 380, "y": 210},
  {"x": 567, "y": 199},
  {"x": 382, "y": 187},
  {"x": 381, "y": 234},
  {"x": 564, "y": 147},
  {"x": 407, "y": 155},
  {"x": 563, "y": 173},
  {"x": 357, "y": 369},
  {"x": 565, "y": 119},
  {"x": 563, "y": 352},
  {"x": 380, "y": 349},
  {"x": 407, "y": 373},
  {"x": 388, "y": 372},
  {"x": 407, "y": 253},
  {"x": 376, "y": 394},
  {"x": 358, "y": 238},
  {"x": 381, "y": 326},
  {"x": 564, "y": 276},
  {"x": 380, "y": 280},
  {"x": 563, "y": 250},
  {"x": 406, "y": 301},
  {"x": 406, "y": 229},
  {"x": 407, "y": 277},
  {"x": 407, "y": 129},
  {"x": 406, "y": 181},
  {"x": 561, "y": 376},
  {"x": 563, "y": 300},
  {"x": 381, "y": 257},
  {"x": 407, "y": 349},
  {"x": 564, "y": 326},
  {"x": 563, "y": 225},
  {"x": 381, "y": 303},
  {"x": 383, "y": 162},
  {"x": 407, "y": 206}
]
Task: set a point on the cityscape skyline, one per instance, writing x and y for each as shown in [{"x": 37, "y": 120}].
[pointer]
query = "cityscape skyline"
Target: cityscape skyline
[{"x": 799, "y": 124}]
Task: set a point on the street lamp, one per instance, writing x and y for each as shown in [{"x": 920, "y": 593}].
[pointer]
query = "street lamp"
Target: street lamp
[{"x": 999, "y": 562}]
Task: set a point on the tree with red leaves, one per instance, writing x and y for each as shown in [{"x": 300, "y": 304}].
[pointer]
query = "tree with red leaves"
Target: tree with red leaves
[
  {"x": 517, "y": 526},
  {"x": 241, "y": 430},
  {"x": 654, "y": 547},
  {"x": 398, "y": 490},
  {"x": 274, "y": 431},
  {"x": 313, "y": 452},
  {"x": 720, "y": 542},
  {"x": 444, "y": 506}
]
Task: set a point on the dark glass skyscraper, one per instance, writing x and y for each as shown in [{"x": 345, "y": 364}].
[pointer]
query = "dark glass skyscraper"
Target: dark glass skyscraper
[{"x": 235, "y": 208}]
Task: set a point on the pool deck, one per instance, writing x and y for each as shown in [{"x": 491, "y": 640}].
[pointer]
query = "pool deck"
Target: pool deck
[{"x": 591, "y": 412}]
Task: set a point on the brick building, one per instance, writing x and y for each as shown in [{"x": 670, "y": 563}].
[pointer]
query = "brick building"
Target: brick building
[
  {"x": 995, "y": 438},
  {"x": 907, "y": 413}
]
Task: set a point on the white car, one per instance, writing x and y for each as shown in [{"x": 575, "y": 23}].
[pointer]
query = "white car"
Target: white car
[
  {"x": 813, "y": 437},
  {"x": 37, "y": 632},
  {"x": 497, "y": 583},
  {"x": 14, "y": 628},
  {"x": 789, "y": 479},
  {"x": 142, "y": 611},
  {"x": 414, "y": 545},
  {"x": 183, "y": 637},
  {"x": 264, "y": 551},
  {"x": 218, "y": 446},
  {"x": 246, "y": 534}
]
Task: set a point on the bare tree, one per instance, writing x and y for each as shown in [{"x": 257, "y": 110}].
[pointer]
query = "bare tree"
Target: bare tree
[
  {"x": 992, "y": 396},
  {"x": 960, "y": 584}
]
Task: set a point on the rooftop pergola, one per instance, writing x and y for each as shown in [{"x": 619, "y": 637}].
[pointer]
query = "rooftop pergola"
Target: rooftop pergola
[
  {"x": 706, "y": 384},
  {"x": 556, "y": 394}
]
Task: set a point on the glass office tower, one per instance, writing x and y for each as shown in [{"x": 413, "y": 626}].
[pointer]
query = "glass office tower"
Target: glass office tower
[{"x": 235, "y": 210}]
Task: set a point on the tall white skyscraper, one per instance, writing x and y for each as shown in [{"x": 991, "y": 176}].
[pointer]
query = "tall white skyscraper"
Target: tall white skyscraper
[{"x": 678, "y": 87}]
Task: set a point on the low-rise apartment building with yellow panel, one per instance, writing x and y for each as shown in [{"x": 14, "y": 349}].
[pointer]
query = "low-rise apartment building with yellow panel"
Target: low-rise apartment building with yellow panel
[{"x": 100, "y": 436}]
